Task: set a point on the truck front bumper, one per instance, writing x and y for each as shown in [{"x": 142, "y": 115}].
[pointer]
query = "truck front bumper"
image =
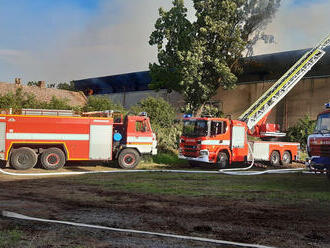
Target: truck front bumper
[
  {"x": 319, "y": 163},
  {"x": 202, "y": 158}
]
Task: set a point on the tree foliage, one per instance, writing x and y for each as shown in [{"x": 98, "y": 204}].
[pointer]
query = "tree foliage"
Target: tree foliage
[
  {"x": 162, "y": 117},
  {"x": 301, "y": 130},
  {"x": 160, "y": 112},
  {"x": 66, "y": 86},
  {"x": 61, "y": 86},
  {"x": 95, "y": 103},
  {"x": 20, "y": 100},
  {"x": 208, "y": 110},
  {"x": 196, "y": 58}
]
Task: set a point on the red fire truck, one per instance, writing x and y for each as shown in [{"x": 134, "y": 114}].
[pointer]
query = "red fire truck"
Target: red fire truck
[
  {"x": 318, "y": 144},
  {"x": 38, "y": 134},
  {"x": 224, "y": 141}
]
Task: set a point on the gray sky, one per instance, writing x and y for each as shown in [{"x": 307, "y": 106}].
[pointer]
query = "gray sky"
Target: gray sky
[{"x": 75, "y": 39}]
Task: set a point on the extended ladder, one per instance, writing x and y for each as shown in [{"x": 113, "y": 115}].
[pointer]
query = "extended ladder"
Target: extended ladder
[{"x": 282, "y": 87}]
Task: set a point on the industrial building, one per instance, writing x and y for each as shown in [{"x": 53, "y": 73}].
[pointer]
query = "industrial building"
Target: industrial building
[{"x": 260, "y": 72}]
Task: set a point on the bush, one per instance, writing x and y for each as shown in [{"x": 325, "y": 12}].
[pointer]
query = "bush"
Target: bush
[
  {"x": 162, "y": 116},
  {"x": 20, "y": 100},
  {"x": 300, "y": 131},
  {"x": 168, "y": 137},
  {"x": 56, "y": 103},
  {"x": 160, "y": 112},
  {"x": 95, "y": 103}
]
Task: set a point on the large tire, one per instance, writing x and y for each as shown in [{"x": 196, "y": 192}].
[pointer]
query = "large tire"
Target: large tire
[
  {"x": 275, "y": 158},
  {"x": 129, "y": 159},
  {"x": 286, "y": 158},
  {"x": 52, "y": 159},
  {"x": 222, "y": 160},
  {"x": 23, "y": 158}
]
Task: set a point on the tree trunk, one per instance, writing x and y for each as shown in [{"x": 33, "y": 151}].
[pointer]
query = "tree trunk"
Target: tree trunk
[{"x": 199, "y": 111}]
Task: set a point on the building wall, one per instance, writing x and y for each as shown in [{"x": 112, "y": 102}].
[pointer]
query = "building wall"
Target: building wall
[
  {"x": 129, "y": 99},
  {"x": 306, "y": 98},
  {"x": 46, "y": 94}
]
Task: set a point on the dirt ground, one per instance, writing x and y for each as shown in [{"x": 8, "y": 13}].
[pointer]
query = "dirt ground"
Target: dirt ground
[{"x": 247, "y": 221}]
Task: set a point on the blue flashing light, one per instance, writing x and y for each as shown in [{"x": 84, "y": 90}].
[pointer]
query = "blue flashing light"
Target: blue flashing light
[
  {"x": 187, "y": 115},
  {"x": 327, "y": 105},
  {"x": 117, "y": 137}
]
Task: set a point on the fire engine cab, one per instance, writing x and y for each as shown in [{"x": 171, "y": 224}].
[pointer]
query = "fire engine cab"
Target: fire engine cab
[
  {"x": 223, "y": 141},
  {"x": 318, "y": 143},
  {"x": 55, "y": 137}
]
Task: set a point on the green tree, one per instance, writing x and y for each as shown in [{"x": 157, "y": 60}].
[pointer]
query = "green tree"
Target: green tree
[
  {"x": 66, "y": 86},
  {"x": 300, "y": 131},
  {"x": 19, "y": 100},
  {"x": 196, "y": 58},
  {"x": 95, "y": 103},
  {"x": 160, "y": 112},
  {"x": 56, "y": 103},
  {"x": 33, "y": 83}
]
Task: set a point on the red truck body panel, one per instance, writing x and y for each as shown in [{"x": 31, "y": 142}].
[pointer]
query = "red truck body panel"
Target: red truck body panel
[{"x": 71, "y": 132}]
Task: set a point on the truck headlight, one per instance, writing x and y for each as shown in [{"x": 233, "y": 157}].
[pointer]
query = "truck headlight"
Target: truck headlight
[{"x": 204, "y": 152}]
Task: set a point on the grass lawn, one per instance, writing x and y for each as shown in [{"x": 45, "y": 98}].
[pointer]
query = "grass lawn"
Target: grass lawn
[{"x": 289, "y": 188}]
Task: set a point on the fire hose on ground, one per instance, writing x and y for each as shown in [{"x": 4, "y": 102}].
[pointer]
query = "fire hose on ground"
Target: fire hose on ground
[
  {"x": 236, "y": 171},
  {"x": 233, "y": 172},
  {"x": 214, "y": 241}
]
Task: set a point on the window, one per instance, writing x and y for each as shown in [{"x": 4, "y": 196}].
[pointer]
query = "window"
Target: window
[
  {"x": 218, "y": 127},
  {"x": 141, "y": 126},
  {"x": 323, "y": 123},
  {"x": 195, "y": 128}
]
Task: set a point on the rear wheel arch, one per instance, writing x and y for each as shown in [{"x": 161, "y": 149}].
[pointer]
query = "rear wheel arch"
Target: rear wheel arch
[
  {"x": 39, "y": 148},
  {"x": 125, "y": 148}
]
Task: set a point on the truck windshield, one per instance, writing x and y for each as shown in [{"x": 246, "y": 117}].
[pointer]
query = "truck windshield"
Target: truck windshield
[
  {"x": 323, "y": 124},
  {"x": 195, "y": 128}
]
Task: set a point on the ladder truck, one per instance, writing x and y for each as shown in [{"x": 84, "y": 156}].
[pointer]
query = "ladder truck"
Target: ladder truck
[
  {"x": 54, "y": 137},
  {"x": 223, "y": 141}
]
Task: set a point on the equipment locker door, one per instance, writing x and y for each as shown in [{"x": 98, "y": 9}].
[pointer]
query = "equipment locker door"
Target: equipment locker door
[
  {"x": 100, "y": 142},
  {"x": 2, "y": 139},
  {"x": 239, "y": 149}
]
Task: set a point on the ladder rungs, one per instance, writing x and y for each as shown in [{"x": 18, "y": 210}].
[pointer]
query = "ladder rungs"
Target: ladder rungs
[{"x": 273, "y": 95}]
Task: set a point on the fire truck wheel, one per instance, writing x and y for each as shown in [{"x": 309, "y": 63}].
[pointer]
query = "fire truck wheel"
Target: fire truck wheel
[
  {"x": 128, "y": 159},
  {"x": 286, "y": 158},
  {"x": 275, "y": 158},
  {"x": 222, "y": 160},
  {"x": 52, "y": 159},
  {"x": 23, "y": 158}
]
